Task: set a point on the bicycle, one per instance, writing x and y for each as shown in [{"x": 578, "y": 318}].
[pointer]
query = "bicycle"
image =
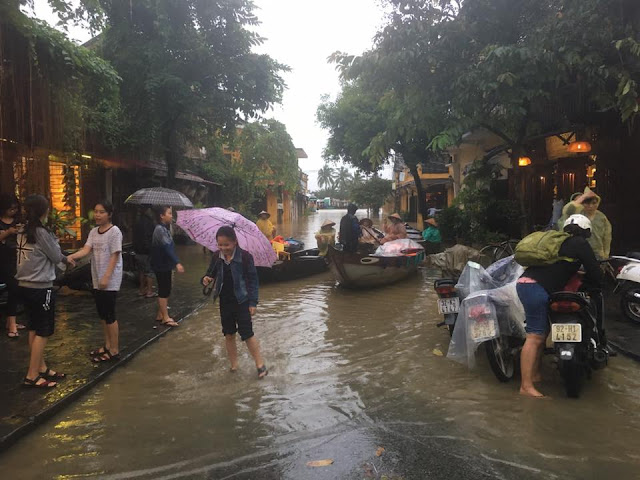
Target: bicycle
[{"x": 497, "y": 251}]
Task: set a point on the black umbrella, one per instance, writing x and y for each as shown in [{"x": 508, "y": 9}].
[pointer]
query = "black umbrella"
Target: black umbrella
[{"x": 159, "y": 196}]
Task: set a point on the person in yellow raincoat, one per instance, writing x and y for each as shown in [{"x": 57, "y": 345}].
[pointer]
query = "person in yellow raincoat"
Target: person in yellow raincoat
[
  {"x": 326, "y": 236},
  {"x": 265, "y": 225},
  {"x": 587, "y": 204}
]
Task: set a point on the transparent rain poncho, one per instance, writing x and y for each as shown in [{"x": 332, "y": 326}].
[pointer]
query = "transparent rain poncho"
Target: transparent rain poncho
[{"x": 490, "y": 307}]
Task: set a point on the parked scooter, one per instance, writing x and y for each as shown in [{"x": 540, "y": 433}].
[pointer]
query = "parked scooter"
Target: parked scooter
[
  {"x": 448, "y": 302},
  {"x": 628, "y": 284},
  {"x": 577, "y": 333}
]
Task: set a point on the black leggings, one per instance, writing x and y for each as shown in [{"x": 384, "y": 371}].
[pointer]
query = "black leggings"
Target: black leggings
[{"x": 164, "y": 283}]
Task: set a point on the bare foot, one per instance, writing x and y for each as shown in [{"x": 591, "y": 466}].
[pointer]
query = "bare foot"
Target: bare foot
[
  {"x": 531, "y": 392},
  {"x": 233, "y": 369}
]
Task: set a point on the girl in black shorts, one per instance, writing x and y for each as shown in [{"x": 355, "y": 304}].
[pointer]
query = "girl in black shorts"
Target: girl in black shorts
[
  {"x": 35, "y": 275},
  {"x": 236, "y": 283}
]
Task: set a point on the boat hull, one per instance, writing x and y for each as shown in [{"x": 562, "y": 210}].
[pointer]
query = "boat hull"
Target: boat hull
[
  {"x": 302, "y": 264},
  {"x": 353, "y": 270}
]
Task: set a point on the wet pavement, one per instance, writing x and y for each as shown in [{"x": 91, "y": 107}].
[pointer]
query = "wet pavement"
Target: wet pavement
[
  {"x": 78, "y": 332},
  {"x": 350, "y": 372}
]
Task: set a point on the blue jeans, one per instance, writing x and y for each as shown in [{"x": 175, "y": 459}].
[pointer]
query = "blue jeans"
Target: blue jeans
[{"x": 535, "y": 301}]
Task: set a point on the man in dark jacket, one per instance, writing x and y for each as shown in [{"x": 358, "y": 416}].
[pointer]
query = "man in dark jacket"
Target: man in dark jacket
[{"x": 350, "y": 229}]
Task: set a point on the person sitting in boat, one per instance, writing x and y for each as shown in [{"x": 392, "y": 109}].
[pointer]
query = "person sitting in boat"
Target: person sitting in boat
[
  {"x": 370, "y": 235},
  {"x": 265, "y": 225},
  {"x": 326, "y": 236},
  {"x": 431, "y": 236},
  {"x": 350, "y": 229},
  {"x": 394, "y": 229}
]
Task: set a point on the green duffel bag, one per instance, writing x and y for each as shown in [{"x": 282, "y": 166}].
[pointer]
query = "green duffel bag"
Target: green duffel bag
[{"x": 541, "y": 248}]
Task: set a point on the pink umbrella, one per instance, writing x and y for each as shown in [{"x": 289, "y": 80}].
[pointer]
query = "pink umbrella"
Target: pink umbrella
[{"x": 201, "y": 225}]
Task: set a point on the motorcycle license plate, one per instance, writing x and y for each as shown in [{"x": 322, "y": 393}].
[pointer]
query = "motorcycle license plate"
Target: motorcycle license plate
[
  {"x": 448, "y": 305},
  {"x": 483, "y": 329},
  {"x": 566, "y": 332}
]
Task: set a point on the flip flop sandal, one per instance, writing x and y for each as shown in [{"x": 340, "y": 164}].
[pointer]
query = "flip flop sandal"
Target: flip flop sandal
[
  {"x": 110, "y": 357},
  {"x": 151, "y": 295},
  {"x": 34, "y": 383},
  {"x": 171, "y": 323},
  {"x": 49, "y": 374},
  {"x": 13, "y": 335},
  {"x": 20, "y": 326},
  {"x": 96, "y": 352},
  {"x": 262, "y": 372}
]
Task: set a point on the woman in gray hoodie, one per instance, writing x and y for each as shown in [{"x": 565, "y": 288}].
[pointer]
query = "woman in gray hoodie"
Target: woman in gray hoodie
[{"x": 35, "y": 276}]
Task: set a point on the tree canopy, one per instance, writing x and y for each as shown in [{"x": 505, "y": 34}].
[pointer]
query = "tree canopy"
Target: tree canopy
[{"x": 519, "y": 69}]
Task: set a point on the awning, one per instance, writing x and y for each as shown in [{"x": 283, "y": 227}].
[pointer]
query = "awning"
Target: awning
[
  {"x": 428, "y": 183},
  {"x": 159, "y": 167}
]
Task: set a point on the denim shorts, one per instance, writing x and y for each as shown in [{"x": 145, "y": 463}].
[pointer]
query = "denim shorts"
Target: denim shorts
[{"x": 535, "y": 301}]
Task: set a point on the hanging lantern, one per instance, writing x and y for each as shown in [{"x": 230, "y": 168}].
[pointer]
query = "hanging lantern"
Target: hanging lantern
[
  {"x": 579, "y": 147},
  {"x": 524, "y": 161}
]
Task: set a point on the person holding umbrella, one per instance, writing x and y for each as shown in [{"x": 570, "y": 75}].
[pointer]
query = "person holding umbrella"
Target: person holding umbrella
[
  {"x": 235, "y": 280},
  {"x": 163, "y": 261}
]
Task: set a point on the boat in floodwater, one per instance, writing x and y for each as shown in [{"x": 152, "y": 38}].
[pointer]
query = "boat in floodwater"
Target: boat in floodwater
[
  {"x": 302, "y": 263},
  {"x": 361, "y": 270}
]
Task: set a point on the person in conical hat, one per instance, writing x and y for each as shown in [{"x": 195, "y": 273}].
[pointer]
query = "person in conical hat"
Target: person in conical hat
[
  {"x": 265, "y": 225},
  {"x": 431, "y": 236},
  {"x": 326, "y": 236},
  {"x": 394, "y": 229}
]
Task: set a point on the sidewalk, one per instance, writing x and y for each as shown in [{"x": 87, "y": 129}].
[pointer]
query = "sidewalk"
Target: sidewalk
[{"x": 78, "y": 331}]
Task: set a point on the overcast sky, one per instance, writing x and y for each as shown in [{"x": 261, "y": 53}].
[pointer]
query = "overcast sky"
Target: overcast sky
[{"x": 301, "y": 34}]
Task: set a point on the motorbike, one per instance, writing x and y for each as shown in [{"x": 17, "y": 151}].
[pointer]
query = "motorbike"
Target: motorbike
[
  {"x": 577, "y": 332},
  {"x": 489, "y": 316},
  {"x": 448, "y": 302},
  {"x": 627, "y": 277}
]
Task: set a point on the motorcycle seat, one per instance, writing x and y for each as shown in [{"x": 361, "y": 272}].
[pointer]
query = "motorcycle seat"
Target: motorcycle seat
[{"x": 635, "y": 255}]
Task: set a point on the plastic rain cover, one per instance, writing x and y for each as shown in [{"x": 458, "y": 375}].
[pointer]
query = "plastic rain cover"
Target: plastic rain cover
[
  {"x": 397, "y": 248},
  {"x": 490, "y": 308}
]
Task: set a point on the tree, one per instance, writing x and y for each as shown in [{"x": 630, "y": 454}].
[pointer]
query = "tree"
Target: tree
[
  {"x": 371, "y": 193},
  {"x": 268, "y": 160},
  {"x": 519, "y": 69},
  {"x": 188, "y": 71},
  {"x": 326, "y": 176},
  {"x": 343, "y": 179}
]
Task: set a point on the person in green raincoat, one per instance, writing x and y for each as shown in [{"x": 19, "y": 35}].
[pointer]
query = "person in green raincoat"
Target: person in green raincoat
[
  {"x": 431, "y": 236},
  {"x": 326, "y": 236},
  {"x": 587, "y": 204}
]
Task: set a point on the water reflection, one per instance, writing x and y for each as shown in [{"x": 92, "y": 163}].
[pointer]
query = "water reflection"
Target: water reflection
[{"x": 350, "y": 371}]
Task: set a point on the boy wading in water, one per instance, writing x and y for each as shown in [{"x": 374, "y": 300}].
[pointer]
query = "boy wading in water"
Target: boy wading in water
[
  {"x": 105, "y": 242},
  {"x": 235, "y": 281}
]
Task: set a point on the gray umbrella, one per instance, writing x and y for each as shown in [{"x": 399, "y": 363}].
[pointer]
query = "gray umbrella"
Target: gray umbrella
[{"x": 159, "y": 196}]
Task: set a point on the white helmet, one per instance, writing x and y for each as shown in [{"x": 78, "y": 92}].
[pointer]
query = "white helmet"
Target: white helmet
[{"x": 579, "y": 220}]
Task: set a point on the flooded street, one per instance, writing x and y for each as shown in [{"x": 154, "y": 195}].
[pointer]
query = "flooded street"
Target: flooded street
[{"x": 350, "y": 371}]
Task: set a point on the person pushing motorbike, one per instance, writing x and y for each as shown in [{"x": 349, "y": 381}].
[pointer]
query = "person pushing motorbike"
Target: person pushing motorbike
[{"x": 539, "y": 281}]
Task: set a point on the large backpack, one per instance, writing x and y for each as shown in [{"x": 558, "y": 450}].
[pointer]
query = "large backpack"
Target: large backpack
[{"x": 541, "y": 248}]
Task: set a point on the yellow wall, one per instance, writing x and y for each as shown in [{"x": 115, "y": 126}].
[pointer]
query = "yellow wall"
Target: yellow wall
[{"x": 272, "y": 205}]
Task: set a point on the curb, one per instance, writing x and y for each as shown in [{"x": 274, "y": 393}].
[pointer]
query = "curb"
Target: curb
[
  {"x": 33, "y": 422},
  {"x": 624, "y": 351}
]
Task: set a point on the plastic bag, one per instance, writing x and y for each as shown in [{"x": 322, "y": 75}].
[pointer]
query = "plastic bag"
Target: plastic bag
[
  {"x": 398, "y": 248},
  {"x": 490, "y": 308}
]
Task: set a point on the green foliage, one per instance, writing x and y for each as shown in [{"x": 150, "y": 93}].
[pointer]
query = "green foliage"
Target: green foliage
[
  {"x": 59, "y": 223},
  {"x": 326, "y": 177},
  {"x": 268, "y": 161},
  {"x": 188, "y": 72},
  {"x": 371, "y": 193}
]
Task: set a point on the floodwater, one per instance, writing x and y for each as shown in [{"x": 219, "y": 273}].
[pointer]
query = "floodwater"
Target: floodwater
[{"x": 350, "y": 372}]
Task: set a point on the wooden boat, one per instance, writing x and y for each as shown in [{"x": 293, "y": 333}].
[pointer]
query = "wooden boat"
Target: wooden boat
[
  {"x": 358, "y": 270},
  {"x": 302, "y": 263}
]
